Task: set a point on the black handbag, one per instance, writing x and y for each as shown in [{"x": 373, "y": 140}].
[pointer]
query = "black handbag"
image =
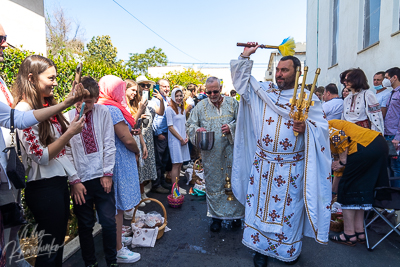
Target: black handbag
[
  {"x": 15, "y": 167},
  {"x": 392, "y": 149},
  {"x": 12, "y": 214}
]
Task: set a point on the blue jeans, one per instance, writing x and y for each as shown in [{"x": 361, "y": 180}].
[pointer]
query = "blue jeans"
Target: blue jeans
[{"x": 394, "y": 166}]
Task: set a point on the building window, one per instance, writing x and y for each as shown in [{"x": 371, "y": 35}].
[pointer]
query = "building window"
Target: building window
[
  {"x": 335, "y": 36},
  {"x": 372, "y": 12}
]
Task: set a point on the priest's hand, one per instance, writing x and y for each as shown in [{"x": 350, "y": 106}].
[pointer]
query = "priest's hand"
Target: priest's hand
[
  {"x": 201, "y": 129},
  {"x": 299, "y": 126},
  {"x": 225, "y": 129},
  {"x": 247, "y": 51}
]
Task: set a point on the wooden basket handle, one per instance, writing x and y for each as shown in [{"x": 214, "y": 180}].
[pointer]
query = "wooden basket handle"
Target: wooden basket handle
[{"x": 154, "y": 200}]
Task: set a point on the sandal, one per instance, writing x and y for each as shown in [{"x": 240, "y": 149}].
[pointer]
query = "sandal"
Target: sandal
[
  {"x": 359, "y": 240},
  {"x": 335, "y": 237}
]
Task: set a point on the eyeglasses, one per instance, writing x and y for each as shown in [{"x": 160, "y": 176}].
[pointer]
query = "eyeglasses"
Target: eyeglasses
[
  {"x": 145, "y": 85},
  {"x": 3, "y": 39},
  {"x": 214, "y": 92}
]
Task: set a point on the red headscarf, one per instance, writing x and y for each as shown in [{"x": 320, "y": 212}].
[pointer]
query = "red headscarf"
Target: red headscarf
[{"x": 112, "y": 92}]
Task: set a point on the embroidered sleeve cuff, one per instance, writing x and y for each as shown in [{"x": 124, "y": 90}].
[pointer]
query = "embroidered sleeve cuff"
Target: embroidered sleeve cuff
[
  {"x": 109, "y": 174},
  {"x": 75, "y": 181}
]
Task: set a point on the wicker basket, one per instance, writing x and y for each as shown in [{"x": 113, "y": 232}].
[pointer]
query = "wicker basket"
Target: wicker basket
[
  {"x": 195, "y": 177},
  {"x": 175, "y": 202},
  {"x": 161, "y": 229},
  {"x": 336, "y": 226}
]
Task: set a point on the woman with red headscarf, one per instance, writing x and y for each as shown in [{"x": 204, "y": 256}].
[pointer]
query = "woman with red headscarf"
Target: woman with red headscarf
[{"x": 125, "y": 176}]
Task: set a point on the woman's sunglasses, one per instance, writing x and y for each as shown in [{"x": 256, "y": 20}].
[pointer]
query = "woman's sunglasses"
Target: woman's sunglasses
[
  {"x": 145, "y": 85},
  {"x": 3, "y": 39}
]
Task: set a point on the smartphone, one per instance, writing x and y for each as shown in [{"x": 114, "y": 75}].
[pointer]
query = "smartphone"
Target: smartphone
[
  {"x": 138, "y": 124},
  {"x": 82, "y": 109},
  {"x": 156, "y": 89},
  {"x": 78, "y": 73},
  {"x": 145, "y": 96}
]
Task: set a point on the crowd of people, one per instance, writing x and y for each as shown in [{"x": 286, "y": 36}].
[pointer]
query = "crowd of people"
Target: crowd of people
[{"x": 136, "y": 135}]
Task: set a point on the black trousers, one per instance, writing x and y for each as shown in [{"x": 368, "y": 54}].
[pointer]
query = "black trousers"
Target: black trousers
[
  {"x": 48, "y": 200},
  {"x": 105, "y": 206},
  {"x": 163, "y": 159}
]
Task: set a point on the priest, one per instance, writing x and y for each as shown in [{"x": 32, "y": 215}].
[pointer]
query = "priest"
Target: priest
[
  {"x": 217, "y": 114},
  {"x": 283, "y": 180}
]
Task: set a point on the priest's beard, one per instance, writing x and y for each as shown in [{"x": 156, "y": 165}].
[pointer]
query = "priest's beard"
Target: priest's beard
[{"x": 286, "y": 84}]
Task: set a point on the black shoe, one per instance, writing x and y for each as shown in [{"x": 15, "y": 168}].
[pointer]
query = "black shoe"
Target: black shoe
[
  {"x": 216, "y": 225},
  {"x": 260, "y": 260},
  {"x": 160, "y": 190},
  {"x": 293, "y": 262},
  {"x": 237, "y": 223},
  {"x": 166, "y": 186}
]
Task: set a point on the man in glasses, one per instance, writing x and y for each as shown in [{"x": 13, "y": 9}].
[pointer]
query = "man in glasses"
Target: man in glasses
[
  {"x": 217, "y": 114},
  {"x": 161, "y": 151},
  {"x": 281, "y": 177}
]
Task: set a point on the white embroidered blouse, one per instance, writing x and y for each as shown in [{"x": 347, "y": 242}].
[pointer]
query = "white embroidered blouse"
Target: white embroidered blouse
[
  {"x": 35, "y": 155},
  {"x": 93, "y": 150},
  {"x": 362, "y": 106}
]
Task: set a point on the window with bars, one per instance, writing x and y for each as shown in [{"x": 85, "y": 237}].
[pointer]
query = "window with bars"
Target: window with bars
[{"x": 372, "y": 10}]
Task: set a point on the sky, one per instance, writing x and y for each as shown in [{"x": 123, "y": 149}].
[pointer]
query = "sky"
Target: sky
[{"x": 207, "y": 31}]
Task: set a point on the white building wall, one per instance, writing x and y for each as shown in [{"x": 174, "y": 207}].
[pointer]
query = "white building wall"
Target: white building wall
[
  {"x": 220, "y": 73},
  {"x": 23, "y": 27},
  {"x": 350, "y": 52}
]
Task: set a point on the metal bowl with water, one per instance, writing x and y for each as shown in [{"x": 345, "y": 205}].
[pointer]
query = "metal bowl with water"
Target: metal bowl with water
[{"x": 205, "y": 140}]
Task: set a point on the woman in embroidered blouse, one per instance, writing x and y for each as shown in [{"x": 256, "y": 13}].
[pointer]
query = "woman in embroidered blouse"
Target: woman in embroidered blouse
[
  {"x": 177, "y": 138},
  {"x": 46, "y": 193},
  {"x": 361, "y": 106},
  {"x": 126, "y": 176},
  {"x": 362, "y": 153}
]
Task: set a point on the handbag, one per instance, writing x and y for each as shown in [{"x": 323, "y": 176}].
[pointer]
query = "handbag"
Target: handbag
[
  {"x": 15, "y": 167},
  {"x": 12, "y": 214},
  {"x": 392, "y": 149}
]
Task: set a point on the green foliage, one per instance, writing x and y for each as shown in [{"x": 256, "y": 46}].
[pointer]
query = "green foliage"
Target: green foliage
[
  {"x": 153, "y": 57},
  {"x": 65, "y": 70},
  {"x": 185, "y": 77},
  {"x": 100, "y": 48}
]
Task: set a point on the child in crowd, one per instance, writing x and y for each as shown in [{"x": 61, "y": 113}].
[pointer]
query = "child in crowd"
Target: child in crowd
[{"x": 93, "y": 154}]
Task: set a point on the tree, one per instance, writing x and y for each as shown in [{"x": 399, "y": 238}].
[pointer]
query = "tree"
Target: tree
[
  {"x": 153, "y": 57},
  {"x": 100, "y": 48},
  {"x": 185, "y": 77},
  {"x": 59, "y": 29}
]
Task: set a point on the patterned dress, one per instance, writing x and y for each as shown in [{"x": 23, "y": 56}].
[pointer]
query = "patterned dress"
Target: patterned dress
[
  {"x": 126, "y": 176},
  {"x": 218, "y": 161},
  {"x": 148, "y": 170}
]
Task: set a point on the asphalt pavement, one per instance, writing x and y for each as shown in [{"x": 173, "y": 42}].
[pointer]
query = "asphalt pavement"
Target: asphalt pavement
[{"x": 190, "y": 243}]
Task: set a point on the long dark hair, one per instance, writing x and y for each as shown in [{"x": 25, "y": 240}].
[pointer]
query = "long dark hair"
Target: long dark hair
[{"x": 29, "y": 91}]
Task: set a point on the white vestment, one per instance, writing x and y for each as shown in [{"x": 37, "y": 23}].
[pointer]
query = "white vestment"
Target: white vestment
[{"x": 283, "y": 180}]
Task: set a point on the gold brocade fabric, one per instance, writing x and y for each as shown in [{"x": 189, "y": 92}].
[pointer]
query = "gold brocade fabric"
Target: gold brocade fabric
[{"x": 218, "y": 161}]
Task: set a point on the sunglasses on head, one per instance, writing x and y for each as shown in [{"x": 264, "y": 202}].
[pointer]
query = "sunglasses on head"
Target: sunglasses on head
[
  {"x": 145, "y": 85},
  {"x": 3, "y": 39},
  {"x": 214, "y": 92}
]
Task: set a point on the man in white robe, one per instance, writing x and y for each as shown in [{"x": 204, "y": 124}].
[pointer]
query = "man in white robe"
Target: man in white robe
[
  {"x": 217, "y": 114},
  {"x": 282, "y": 180}
]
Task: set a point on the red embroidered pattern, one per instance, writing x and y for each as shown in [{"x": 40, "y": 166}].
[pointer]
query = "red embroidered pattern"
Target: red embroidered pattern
[
  {"x": 5, "y": 93},
  {"x": 88, "y": 135},
  {"x": 34, "y": 146},
  {"x": 108, "y": 174},
  {"x": 57, "y": 125}
]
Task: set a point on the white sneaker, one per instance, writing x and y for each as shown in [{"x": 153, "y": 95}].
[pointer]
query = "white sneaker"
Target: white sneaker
[
  {"x": 142, "y": 204},
  {"x": 128, "y": 215},
  {"x": 124, "y": 255},
  {"x": 143, "y": 197},
  {"x": 126, "y": 240},
  {"x": 148, "y": 187},
  {"x": 182, "y": 191}
]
